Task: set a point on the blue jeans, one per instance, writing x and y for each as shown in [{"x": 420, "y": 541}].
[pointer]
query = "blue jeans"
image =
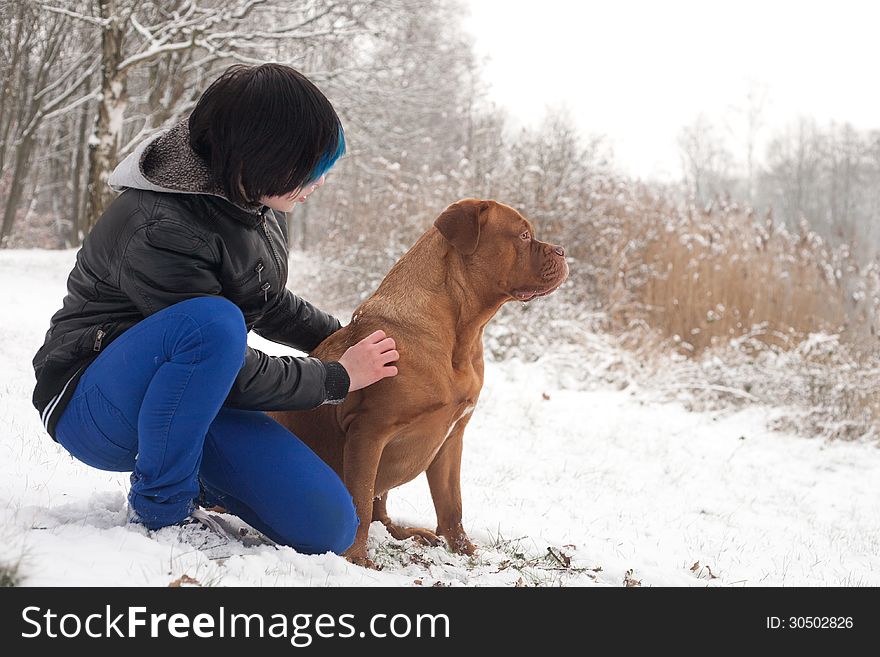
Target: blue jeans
[{"x": 152, "y": 404}]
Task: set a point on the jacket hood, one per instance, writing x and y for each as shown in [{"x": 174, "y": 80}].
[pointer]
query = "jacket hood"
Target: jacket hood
[{"x": 167, "y": 163}]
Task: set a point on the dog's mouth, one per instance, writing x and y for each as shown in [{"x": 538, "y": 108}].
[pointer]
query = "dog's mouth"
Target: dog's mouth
[{"x": 529, "y": 294}]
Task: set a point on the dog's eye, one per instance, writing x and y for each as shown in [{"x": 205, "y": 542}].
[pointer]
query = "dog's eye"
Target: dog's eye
[{"x": 525, "y": 235}]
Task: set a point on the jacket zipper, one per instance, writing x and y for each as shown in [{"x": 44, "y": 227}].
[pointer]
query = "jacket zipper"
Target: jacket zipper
[
  {"x": 99, "y": 336},
  {"x": 267, "y": 285}
]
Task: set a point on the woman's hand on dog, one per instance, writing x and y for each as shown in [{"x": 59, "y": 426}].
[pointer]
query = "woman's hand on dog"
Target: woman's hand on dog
[{"x": 367, "y": 361}]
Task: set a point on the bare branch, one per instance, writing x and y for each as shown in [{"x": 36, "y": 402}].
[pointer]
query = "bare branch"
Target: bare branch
[
  {"x": 92, "y": 95},
  {"x": 153, "y": 53},
  {"x": 70, "y": 70},
  {"x": 176, "y": 24},
  {"x": 144, "y": 31},
  {"x": 158, "y": 46},
  {"x": 55, "y": 102},
  {"x": 218, "y": 53},
  {"x": 98, "y": 22},
  {"x": 49, "y": 107},
  {"x": 148, "y": 131}
]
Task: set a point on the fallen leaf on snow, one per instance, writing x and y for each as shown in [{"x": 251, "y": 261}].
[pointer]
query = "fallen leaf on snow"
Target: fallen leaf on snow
[{"x": 184, "y": 580}]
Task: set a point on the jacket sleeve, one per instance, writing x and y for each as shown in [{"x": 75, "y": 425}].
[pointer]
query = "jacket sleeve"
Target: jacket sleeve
[
  {"x": 165, "y": 263},
  {"x": 295, "y": 322}
]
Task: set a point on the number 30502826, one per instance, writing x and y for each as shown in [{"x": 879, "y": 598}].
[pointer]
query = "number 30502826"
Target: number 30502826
[{"x": 810, "y": 623}]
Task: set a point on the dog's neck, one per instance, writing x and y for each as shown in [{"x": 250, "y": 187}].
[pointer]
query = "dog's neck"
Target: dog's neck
[{"x": 416, "y": 292}]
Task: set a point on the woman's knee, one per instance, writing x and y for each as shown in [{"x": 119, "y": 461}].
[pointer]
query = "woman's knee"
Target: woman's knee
[
  {"x": 340, "y": 532},
  {"x": 330, "y": 524},
  {"x": 262, "y": 472},
  {"x": 219, "y": 320}
]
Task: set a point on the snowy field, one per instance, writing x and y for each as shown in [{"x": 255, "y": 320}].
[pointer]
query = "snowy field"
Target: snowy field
[{"x": 561, "y": 487}]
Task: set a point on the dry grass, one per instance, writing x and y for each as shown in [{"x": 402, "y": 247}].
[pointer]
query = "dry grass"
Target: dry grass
[
  {"x": 717, "y": 277},
  {"x": 703, "y": 277}
]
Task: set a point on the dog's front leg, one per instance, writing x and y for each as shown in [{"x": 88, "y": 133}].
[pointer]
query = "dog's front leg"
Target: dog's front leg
[
  {"x": 444, "y": 478},
  {"x": 360, "y": 464}
]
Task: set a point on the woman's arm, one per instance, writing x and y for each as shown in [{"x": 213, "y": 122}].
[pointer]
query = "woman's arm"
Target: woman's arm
[
  {"x": 295, "y": 322},
  {"x": 164, "y": 263}
]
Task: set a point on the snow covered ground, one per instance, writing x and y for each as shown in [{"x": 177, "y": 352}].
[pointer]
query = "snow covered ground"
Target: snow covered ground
[{"x": 561, "y": 487}]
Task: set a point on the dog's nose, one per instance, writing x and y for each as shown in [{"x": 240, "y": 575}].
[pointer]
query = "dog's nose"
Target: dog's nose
[{"x": 558, "y": 250}]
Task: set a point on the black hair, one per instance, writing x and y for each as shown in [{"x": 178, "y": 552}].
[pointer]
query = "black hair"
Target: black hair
[{"x": 265, "y": 130}]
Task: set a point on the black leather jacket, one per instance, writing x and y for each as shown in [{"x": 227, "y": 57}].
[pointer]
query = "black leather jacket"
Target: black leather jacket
[{"x": 151, "y": 249}]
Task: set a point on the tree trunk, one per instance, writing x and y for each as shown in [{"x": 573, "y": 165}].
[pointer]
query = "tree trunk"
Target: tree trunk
[
  {"x": 6, "y": 118},
  {"x": 104, "y": 142},
  {"x": 30, "y": 116},
  {"x": 78, "y": 198},
  {"x": 16, "y": 187}
]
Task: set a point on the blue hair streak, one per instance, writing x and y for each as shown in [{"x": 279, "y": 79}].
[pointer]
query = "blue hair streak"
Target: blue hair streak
[{"x": 328, "y": 159}]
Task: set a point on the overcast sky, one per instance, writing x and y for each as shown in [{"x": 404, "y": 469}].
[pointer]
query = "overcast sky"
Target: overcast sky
[{"x": 638, "y": 71}]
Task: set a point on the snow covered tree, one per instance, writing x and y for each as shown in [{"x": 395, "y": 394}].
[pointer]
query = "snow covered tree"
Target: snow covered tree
[
  {"x": 156, "y": 56},
  {"x": 45, "y": 69}
]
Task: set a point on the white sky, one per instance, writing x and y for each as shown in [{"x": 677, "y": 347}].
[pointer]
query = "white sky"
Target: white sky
[{"x": 638, "y": 71}]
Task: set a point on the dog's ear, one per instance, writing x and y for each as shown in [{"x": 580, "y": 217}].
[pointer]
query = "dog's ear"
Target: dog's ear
[{"x": 460, "y": 224}]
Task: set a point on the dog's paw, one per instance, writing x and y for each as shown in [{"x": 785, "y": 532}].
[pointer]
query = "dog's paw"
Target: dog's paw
[
  {"x": 365, "y": 562},
  {"x": 461, "y": 545},
  {"x": 458, "y": 541},
  {"x": 426, "y": 537},
  {"x": 360, "y": 558},
  {"x": 418, "y": 534}
]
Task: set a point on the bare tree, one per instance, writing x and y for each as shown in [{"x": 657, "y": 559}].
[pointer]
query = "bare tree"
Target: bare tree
[
  {"x": 827, "y": 177},
  {"x": 126, "y": 69},
  {"x": 846, "y": 169},
  {"x": 705, "y": 159},
  {"x": 48, "y": 73},
  {"x": 135, "y": 34},
  {"x": 751, "y": 122},
  {"x": 168, "y": 46}
]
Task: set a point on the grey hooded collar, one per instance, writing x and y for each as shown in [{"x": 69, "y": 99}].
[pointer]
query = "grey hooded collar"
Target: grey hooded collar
[{"x": 168, "y": 163}]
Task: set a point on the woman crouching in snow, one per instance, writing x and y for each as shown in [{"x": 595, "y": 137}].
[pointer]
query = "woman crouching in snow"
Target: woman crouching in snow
[{"x": 146, "y": 368}]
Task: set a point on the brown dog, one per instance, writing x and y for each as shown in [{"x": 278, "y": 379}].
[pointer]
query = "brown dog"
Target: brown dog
[{"x": 434, "y": 302}]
